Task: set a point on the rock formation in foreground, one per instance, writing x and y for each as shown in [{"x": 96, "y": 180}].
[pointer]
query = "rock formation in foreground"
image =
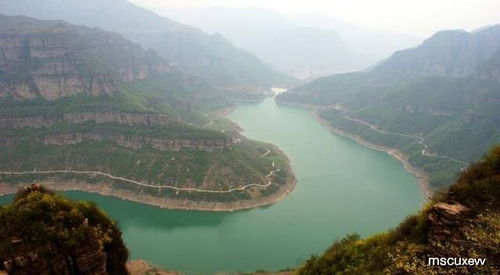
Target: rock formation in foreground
[{"x": 44, "y": 233}]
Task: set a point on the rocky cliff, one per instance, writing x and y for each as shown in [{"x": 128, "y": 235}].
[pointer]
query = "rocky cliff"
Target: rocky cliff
[
  {"x": 79, "y": 118},
  {"x": 138, "y": 142},
  {"x": 53, "y": 59}
]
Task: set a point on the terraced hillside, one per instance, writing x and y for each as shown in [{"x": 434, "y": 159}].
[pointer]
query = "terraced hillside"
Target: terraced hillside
[{"x": 93, "y": 108}]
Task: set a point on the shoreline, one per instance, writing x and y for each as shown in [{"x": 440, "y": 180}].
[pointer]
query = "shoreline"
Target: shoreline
[
  {"x": 421, "y": 175},
  {"x": 107, "y": 189}
]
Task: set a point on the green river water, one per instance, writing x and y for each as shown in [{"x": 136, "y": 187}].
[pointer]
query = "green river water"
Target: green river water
[{"x": 342, "y": 187}]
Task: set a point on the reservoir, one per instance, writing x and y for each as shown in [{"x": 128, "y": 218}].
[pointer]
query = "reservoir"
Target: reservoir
[{"x": 342, "y": 188}]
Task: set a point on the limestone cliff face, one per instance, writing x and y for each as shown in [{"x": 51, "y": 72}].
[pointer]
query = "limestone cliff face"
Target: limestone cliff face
[
  {"x": 79, "y": 118},
  {"x": 53, "y": 59},
  {"x": 138, "y": 142},
  {"x": 447, "y": 53}
]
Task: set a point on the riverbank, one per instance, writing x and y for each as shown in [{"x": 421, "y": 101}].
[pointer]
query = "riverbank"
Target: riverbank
[
  {"x": 107, "y": 189},
  {"x": 421, "y": 175}
]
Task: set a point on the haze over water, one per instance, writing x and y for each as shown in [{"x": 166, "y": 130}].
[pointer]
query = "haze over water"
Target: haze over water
[{"x": 342, "y": 188}]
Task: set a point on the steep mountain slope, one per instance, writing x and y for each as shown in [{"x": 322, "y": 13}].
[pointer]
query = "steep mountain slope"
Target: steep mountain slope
[
  {"x": 209, "y": 56},
  {"x": 461, "y": 223},
  {"x": 92, "y": 106},
  {"x": 447, "y": 53},
  {"x": 440, "y": 122}
]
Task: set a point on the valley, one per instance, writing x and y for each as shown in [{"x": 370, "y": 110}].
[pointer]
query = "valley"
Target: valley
[
  {"x": 332, "y": 172},
  {"x": 283, "y": 138}
]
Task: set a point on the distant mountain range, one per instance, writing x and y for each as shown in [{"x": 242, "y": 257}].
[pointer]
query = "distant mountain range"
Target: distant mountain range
[
  {"x": 300, "y": 45},
  {"x": 210, "y": 57},
  {"x": 438, "y": 103}
]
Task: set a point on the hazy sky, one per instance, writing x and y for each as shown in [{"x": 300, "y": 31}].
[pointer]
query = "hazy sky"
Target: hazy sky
[{"x": 417, "y": 17}]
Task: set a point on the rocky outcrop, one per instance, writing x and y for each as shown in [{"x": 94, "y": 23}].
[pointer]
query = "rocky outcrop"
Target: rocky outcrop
[
  {"x": 53, "y": 59},
  {"x": 121, "y": 118},
  {"x": 64, "y": 238},
  {"x": 79, "y": 118},
  {"x": 445, "y": 219},
  {"x": 137, "y": 142},
  {"x": 141, "y": 267}
]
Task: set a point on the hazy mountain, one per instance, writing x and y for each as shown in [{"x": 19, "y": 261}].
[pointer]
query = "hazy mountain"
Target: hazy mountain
[
  {"x": 374, "y": 45},
  {"x": 453, "y": 53},
  {"x": 442, "y": 96},
  {"x": 307, "y": 52},
  {"x": 209, "y": 56},
  {"x": 292, "y": 47}
]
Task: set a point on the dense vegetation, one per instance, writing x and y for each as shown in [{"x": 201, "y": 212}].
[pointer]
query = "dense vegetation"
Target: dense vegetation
[
  {"x": 45, "y": 233},
  {"x": 461, "y": 222}
]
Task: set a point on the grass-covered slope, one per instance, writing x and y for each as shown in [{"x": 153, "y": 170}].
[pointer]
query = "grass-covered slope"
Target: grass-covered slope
[{"x": 461, "y": 222}]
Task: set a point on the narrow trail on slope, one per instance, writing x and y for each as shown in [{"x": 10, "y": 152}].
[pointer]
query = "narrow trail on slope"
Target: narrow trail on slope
[
  {"x": 267, "y": 177},
  {"x": 265, "y": 154},
  {"x": 421, "y": 140}
]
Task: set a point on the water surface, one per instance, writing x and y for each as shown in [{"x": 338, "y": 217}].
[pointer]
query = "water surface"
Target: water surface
[{"x": 342, "y": 187}]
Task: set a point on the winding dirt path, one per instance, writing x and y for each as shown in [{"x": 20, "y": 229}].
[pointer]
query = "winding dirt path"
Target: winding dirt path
[
  {"x": 265, "y": 154},
  {"x": 93, "y": 173},
  {"x": 421, "y": 140}
]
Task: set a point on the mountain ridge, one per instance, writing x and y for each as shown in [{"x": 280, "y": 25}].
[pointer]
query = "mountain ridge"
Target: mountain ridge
[{"x": 210, "y": 57}]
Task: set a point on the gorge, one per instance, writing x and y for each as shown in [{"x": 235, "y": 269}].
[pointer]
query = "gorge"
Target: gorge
[{"x": 342, "y": 188}]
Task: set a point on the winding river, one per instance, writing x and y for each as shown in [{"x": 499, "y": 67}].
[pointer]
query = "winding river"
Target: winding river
[{"x": 342, "y": 187}]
